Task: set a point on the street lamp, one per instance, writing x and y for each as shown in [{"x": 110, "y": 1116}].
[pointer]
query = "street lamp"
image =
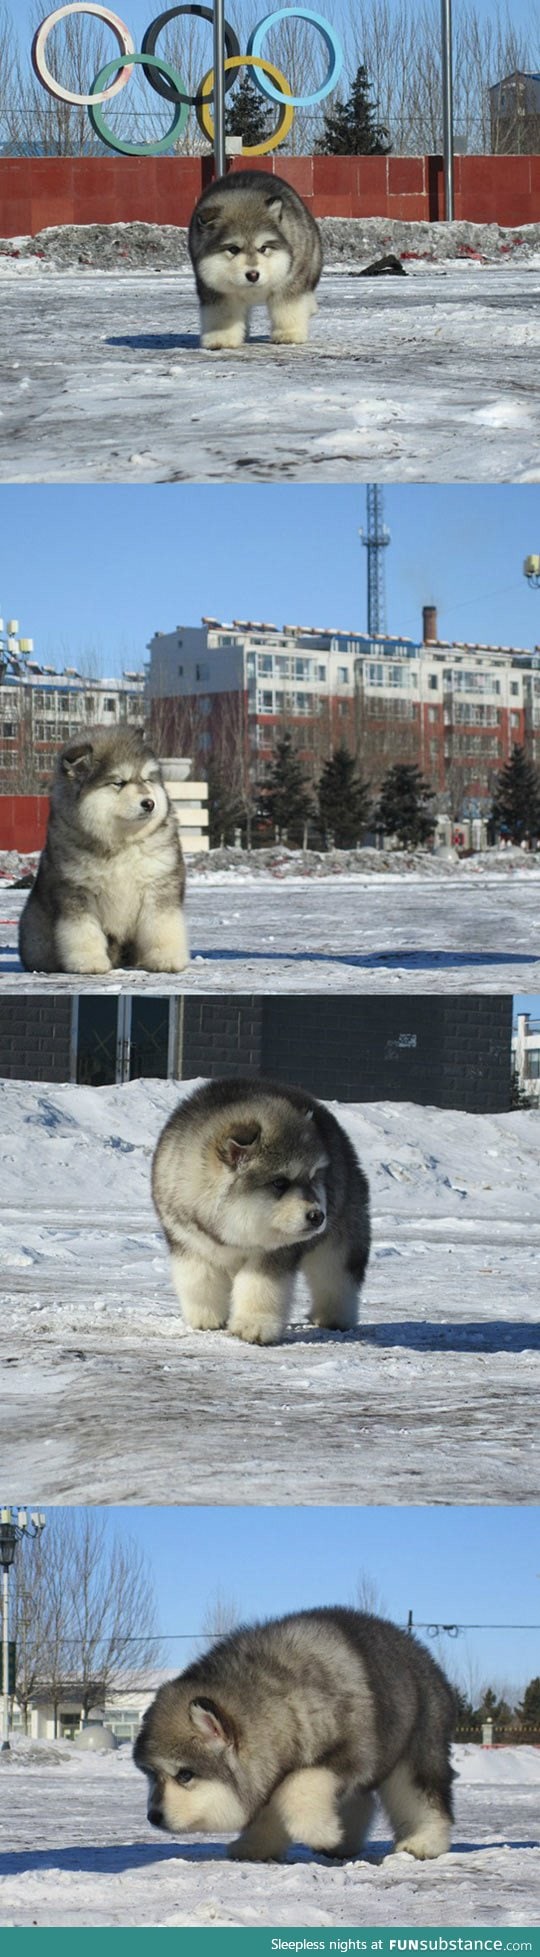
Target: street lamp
[
  {"x": 531, "y": 570},
  {"x": 14, "y": 1524}
]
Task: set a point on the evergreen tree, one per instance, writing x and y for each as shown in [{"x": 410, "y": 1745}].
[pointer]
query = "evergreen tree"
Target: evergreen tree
[
  {"x": 529, "y": 1710},
  {"x": 249, "y": 116},
  {"x": 344, "y": 799},
  {"x": 351, "y": 128},
  {"x": 286, "y": 798},
  {"x": 226, "y": 807},
  {"x": 403, "y": 808},
  {"x": 515, "y": 808}
]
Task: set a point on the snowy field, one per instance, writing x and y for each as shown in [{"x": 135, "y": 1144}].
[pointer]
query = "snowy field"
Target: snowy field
[
  {"x": 86, "y": 1855},
  {"x": 106, "y": 1396},
  {"x": 469, "y": 931},
  {"x": 429, "y": 378}
]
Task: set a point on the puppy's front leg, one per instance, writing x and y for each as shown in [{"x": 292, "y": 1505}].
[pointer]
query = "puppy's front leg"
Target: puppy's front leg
[
  {"x": 223, "y": 324},
  {"x": 160, "y": 940},
  {"x": 81, "y": 945},
  {"x": 261, "y": 1302},
  {"x": 204, "y": 1293},
  {"x": 305, "y": 1808}
]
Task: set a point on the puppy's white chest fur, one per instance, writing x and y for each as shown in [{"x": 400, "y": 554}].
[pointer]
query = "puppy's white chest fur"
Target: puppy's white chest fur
[{"x": 122, "y": 883}]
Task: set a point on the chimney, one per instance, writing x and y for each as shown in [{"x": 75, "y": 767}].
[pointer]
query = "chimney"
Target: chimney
[{"x": 429, "y": 624}]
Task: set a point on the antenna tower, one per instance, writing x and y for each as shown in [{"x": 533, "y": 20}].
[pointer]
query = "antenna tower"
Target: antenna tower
[{"x": 375, "y": 540}]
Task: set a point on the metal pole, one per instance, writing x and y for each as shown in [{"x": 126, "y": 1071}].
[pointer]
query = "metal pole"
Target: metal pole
[
  {"x": 220, "y": 158},
  {"x": 447, "y": 109},
  {"x": 5, "y": 1664}
]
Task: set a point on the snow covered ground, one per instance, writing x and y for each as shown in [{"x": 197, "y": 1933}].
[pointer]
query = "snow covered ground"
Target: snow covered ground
[
  {"x": 428, "y": 378},
  {"x": 86, "y": 1855},
  {"x": 106, "y": 1396},
  {"x": 424, "y": 930}
]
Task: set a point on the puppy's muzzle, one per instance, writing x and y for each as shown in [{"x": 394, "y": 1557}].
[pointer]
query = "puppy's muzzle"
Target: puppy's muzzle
[{"x": 253, "y": 276}]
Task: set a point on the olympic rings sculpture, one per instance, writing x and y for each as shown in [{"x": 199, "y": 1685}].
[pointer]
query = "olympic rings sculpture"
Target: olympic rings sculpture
[{"x": 166, "y": 81}]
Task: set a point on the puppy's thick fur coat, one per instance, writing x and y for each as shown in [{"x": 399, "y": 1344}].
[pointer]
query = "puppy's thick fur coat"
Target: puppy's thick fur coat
[
  {"x": 285, "y": 1730},
  {"x": 253, "y": 243},
  {"x": 253, "y": 1181},
  {"x": 110, "y": 884}
]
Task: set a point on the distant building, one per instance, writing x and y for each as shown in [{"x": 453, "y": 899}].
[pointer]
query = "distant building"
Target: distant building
[
  {"x": 515, "y": 115},
  {"x": 229, "y": 691},
  {"x": 122, "y": 1709},
  {"x": 526, "y": 1056},
  {"x": 40, "y": 708}
]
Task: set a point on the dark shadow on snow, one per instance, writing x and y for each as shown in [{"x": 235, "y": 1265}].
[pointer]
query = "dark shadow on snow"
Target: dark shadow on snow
[
  {"x": 119, "y": 1858},
  {"x": 372, "y": 960},
  {"x": 417, "y": 1336},
  {"x": 155, "y": 342}
]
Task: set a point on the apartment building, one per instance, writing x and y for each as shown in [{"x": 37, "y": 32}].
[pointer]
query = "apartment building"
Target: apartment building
[
  {"x": 40, "y": 708},
  {"x": 457, "y": 710}
]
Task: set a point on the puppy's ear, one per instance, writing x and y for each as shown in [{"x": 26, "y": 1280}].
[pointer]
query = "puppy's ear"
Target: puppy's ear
[
  {"x": 213, "y": 1725},
  {"x": 275, "y": 208},
  {"x": 76, "y": 760},
  {"x": 236, "y": 1149},
  {"x": 206, "y": 218}
]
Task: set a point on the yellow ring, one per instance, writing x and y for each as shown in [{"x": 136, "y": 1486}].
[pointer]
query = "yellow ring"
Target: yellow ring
[{"x": 204, "y": 116}]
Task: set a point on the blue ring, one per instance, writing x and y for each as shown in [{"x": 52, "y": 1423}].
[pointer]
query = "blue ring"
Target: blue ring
[{"x": 330, "y": 38}]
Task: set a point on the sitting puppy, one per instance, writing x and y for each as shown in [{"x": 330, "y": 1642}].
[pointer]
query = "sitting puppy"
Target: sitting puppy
[
  {"x": 286, "y": 1730},
  {"x": 110, "y": 882},
  {"x": 253, "y": 243},
  {"x": 252, "y": 1181}
]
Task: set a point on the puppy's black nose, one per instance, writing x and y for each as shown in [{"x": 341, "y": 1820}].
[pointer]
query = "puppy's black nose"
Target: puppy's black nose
[
  {"x": 252, "y": 276},
  {"x": 155, "y": 1816},
  {"x": 148, "y": 805},
  {"x": 315, "y": 1217}
]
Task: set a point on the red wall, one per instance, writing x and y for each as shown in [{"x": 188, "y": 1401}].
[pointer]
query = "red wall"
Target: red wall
[
  {"x": 36, "y": 192},
  {"x": 23, "y": 821}
]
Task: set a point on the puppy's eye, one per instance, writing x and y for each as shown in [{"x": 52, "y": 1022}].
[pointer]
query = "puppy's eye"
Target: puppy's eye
[
  {"x": 119, "y": 784},
  {"x": 233, "y": 251},
  {"x": 184, "y": 1776},
  {"x": 281, "y": 1185},
  {"x": 266, "y": 248}
]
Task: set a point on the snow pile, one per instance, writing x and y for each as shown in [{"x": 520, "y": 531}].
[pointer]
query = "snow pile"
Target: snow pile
[
  {"x": 434, "y": 1398},
  {"x": 163, "y": 247},
  {"x": 76, "y": 1849},
  {"x": 279, "y": 862}
]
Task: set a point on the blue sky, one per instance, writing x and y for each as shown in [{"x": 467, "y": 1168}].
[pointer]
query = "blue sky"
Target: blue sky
[
  {"x": 97, "y": 569},
  {"x": 137, "y": 13},
  {"x": 471, "y": 1565}
]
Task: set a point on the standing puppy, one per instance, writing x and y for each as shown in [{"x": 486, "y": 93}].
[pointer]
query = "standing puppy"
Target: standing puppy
[
  {"x": 110, "y": 884},
  {"x": 286, "y": 1730},
  {"x": 252, "y": 1182},
  {"x": 253, "y": 243}
]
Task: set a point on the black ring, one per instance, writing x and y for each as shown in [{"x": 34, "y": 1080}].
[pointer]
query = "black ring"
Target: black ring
[{"x": 148, "y": 46}]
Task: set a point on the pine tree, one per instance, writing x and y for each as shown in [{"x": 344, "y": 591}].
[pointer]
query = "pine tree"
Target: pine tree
[
  {"x": 344, "y": 799},
  {"x": 226, "y": 807},
  {"x": 403, "y": 807},
  {"x": 515, "y": 809},
  {"x": 249, "y": 116},
  {"x": 529, "y": 1710},
  {"x": 286, "y": 798},
  {"x": 351, "y": 128}
]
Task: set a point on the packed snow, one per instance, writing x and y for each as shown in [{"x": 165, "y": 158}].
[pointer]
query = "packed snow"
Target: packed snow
[
  {"x": 429, "y": 377},
  {"x": 107, "y": 1396},
  {"x": 86, "y": 1855},
  {"x": 469, "y": 926}
]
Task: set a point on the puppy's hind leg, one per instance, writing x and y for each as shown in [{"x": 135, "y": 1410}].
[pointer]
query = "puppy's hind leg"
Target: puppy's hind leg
[
  {"x": 203, "y": 1292},
  {"x": 419, "y": 1816}
]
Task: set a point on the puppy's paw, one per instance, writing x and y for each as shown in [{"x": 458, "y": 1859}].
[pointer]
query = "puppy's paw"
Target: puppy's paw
[{"x": 223, "y": 340}]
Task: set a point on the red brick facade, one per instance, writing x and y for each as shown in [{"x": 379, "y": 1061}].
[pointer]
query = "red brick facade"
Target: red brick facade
[{"x": 39, "y": 191}]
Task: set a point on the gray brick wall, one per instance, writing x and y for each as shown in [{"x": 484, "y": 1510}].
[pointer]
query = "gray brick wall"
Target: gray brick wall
[
  {"x": 35, "y": 1038},
  {"x": 222, "y": 1036},
  {"x": 454, "y": 1053}
]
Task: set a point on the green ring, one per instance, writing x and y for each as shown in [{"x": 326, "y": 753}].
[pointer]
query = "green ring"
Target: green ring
[{"x": 179, "y": 120}]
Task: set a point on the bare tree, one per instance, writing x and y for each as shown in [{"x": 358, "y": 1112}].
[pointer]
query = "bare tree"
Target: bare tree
[
  {"x": 85, "y": 1618},
  {"x": 221, "y": 1616}
]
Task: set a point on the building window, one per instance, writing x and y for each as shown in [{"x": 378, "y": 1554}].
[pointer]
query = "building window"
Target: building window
[
  {"x": 202, "y": 672},
  {"x": 514, "y": 687},
  {"x": 9, "y": 730},
  {"x": 514, "y": 720},
  {"x": 267, "y": 702},
  {"x": 433, "y": 713},
  {"x": 109, "y": 706},
  {"x": 265, "y": 663},
  {"x": 321, "y": 672},
  {"x": 180, "y": 672},
  {"x": 343, "y": 675},
  {"x": 343, "y": 708},
  {"x": 433, "y": 682}
]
